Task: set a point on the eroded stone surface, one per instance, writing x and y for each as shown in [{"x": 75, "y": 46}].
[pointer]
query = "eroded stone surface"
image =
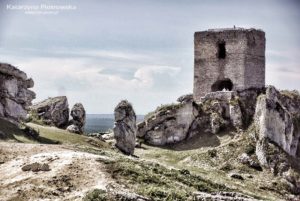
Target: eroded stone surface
[
  {"x": 15, "y": 97},
  {"x": 78, "y": 119},
  {"x": 173, "y": 123},
  {"x": 275, "y": 122},
  {"x": 125, "y": 127},
  {"x": 53, "y": 111},
  {"x": 276, "y": 118},
  {"x": 186, "y": 98}
]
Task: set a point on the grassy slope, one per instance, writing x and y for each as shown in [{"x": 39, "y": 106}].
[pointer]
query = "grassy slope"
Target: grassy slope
[
  {"x": 174, "y": 172},
  {"x": 60, "y": 135},
  {"x": 12, "y": 132},
  {"x": 214, "y": 163},
  {"x": 47, "y": 135}
]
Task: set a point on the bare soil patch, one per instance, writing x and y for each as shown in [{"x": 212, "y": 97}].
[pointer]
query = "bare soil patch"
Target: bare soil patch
[{"x": 64, "y": 174}]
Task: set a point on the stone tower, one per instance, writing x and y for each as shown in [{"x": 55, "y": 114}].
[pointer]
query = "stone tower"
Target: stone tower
[{"x": 228, "y": 59}]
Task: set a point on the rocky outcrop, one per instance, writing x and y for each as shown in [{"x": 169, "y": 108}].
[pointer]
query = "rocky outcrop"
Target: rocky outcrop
[
  {"x": 186, "y": 98},
  {"x": 78, "y": 121},
  {"x": 276, "y": 116},
  {"x": 173, "y": 123},
  {"x": 15, "y": 97},
  {"x": 52, "y": 111},
  {"x": 277, "y": 127},
  {"x": 169, "y": 124},
  {"x": 125, "y": 127}
]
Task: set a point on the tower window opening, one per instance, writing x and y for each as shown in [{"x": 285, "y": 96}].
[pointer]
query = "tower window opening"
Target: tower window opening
[{"x": 221, "y": 50}]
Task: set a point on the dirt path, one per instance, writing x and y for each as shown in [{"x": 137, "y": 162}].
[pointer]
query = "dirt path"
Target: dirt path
[{"x": 72, "y": 173}]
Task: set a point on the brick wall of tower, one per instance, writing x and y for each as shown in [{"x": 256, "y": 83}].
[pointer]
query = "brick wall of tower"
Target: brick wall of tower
[{"x": 244, "y": 63}]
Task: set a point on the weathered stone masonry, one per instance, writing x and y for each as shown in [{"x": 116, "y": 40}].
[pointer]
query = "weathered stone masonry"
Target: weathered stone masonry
[{"x": 232, "y": 59}]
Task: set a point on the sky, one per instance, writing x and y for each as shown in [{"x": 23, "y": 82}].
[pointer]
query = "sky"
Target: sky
[{"x": 100, "y": 52}]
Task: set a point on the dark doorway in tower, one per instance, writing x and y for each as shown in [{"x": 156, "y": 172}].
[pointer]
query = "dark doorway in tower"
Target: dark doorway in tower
[{"x": 222, "y": 85}]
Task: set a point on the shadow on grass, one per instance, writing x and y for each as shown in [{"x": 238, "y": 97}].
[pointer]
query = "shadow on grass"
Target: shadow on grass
[
  {"x": 198, "y": 141},
  {"x": 44, "y": 140},
  {"x": 7, "y": 130},
  {"x": 10, "y": 130}
]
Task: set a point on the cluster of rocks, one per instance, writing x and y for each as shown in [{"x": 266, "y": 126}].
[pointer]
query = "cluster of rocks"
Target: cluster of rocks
[
  {"x": 275, "y": 116},
  {"x": 16, "y": 102},
  {"x": 15, "y": 96},
  {"x": 55, "y": 112},
  {"x": 217, "y": 111}
]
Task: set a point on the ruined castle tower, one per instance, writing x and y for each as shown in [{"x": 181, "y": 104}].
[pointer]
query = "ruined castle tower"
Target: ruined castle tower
[{"x": 228, "y": 59}]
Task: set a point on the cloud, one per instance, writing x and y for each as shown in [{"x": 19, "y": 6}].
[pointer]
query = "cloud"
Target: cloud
[
  {"x": 288, "y": 54},
  {"x": 65, "y": 76},
  {"x": 284, "y": 61},
  {"x": 123, "y": 72},
  {"x": 113, "y": 54},
  {"x": 79, "y": 52},
  {"x": 148, "y": 74}
]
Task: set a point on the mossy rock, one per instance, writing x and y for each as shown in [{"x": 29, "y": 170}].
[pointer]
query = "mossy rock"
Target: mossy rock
[{"x": 96, "y": 195}]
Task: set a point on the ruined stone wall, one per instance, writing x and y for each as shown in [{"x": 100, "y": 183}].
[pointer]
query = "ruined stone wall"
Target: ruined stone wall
[
  {"x": 255, "y": 59},
  {"x": 15, "y": 97},
  {"x": 244, "y": 62}
]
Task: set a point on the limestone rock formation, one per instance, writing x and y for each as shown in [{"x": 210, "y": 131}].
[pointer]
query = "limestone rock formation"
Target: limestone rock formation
[
  {"x": 125, "y": 127},
  {"x": 169, "y": 124},
  {"x": 276, "y": 116},
  {"x": 277, "y": 120},
  {"x": 78, "y": 121},
  {"x": 52, "y": 111},
  {"x": 173, "y": 123},
  {"x": 186, "y": 98},
  {"x": 15, "y": 97}
]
